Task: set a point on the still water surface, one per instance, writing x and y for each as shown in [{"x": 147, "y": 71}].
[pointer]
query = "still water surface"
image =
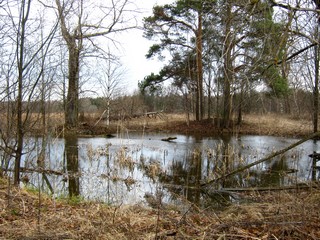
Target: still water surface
[{"x": 137, "y": 167}]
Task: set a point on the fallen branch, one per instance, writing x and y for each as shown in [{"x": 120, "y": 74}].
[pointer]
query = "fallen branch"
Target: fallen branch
[
  {"x": 241, "y": 169},
  {"x": 154, "y": 114},
  {"x": 280, "y": 188},
  {"x": 100, "y": 118},
  {"x": 39, "y": 170}
]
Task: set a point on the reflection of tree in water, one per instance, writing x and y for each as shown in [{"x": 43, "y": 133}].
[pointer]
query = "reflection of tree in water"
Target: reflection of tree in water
[
  {"x": 274, "y": 175},
  {"x": 227, "y": 159},
  {"x": 184, "y": 177},
  {"x": 232, "y": 160},
  {"x": 71, "y": 153}
]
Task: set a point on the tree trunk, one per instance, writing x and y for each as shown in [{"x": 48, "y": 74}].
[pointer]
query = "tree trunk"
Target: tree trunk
[
  {"x": 74, "y": 43},
  {"x": 209, "y": 102},
  {"x": 316, "y": 83},
  {"x": 20, "y": 131},
  {"x": 239, "y": 121},
  {"x": 199, "y": 101},
  {"x": 72, "y": 103},
  {"x": 25, "y": 9},
  {"x": 316, "y": 91},
  {"x": 71, "y": 149},
  {"x": 108, "y": 111},
  {"x": 228, "y": 70}
]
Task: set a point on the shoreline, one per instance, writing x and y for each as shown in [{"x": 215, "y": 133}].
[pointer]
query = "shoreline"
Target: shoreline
[{"x": 269, "y": 125}]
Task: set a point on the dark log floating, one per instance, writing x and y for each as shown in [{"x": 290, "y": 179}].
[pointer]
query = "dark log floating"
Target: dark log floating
[
  {"x": 110, "y": 136},
  {"x": 169, "y": 139}
]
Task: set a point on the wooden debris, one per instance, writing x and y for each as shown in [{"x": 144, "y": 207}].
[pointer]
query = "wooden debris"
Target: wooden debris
[{"x": 168, "y": 139}]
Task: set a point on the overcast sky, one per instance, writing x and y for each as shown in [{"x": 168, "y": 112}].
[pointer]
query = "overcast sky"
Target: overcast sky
[{"x": 135, "y": 47}]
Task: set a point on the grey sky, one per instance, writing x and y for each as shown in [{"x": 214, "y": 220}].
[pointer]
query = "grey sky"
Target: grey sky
[{"x": 135, "y": 48}]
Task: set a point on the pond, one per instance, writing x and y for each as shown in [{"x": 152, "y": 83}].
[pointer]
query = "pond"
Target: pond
[{"x": 140, "y": 168}]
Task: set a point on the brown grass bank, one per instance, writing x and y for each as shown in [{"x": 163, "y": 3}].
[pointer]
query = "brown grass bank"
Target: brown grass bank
[
  {"x": 269, "y": 215},
  {"x": 253, "y": 124}
]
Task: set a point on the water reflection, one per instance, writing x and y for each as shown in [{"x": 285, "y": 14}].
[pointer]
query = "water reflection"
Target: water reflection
[
  {"x": 275, "y": 174},
  {"x": 72, "y": 163},
  {"x": 184, "y": 177},
  {"x": 125, "y": 170}
]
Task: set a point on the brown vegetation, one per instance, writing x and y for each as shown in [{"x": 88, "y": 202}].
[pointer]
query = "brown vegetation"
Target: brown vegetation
[
  {"x": 258, "y": 124},
  {"x": 269, "y": 215},
  {"x": 267, "y": 124}
]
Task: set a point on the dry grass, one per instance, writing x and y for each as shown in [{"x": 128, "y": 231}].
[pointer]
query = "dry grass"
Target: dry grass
[
  {"x": 258, "y": 124},
  {"x": 157, "y": 122},
  {"x": 272, "y": 124},
  {"x": 270, "y": 215},
  {"x": 267, "y": 124}
]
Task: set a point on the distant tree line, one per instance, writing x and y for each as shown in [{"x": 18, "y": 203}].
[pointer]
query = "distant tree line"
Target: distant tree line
[{"x": 298, "y": 104}]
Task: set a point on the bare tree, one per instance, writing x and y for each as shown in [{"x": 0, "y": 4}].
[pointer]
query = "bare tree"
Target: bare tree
[
  {"x": 111, "y": 81},
  {"x": 23, "y": 75},
  {"x": 77, "y": 27},
  {"x": 305, "y": 31}
]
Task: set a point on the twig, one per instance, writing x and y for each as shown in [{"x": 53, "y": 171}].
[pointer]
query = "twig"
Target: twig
[
  {"x": 158, "y": 221},
  {"x": 9, "y": 194},
  {"x": 114, "y": 212},
  {"x": 39, "y": 204},
  {"x": 254, "y": 223},
  {"x": 308, "y": 236},
  {"x": 235, "y": 236},
  {"x": 48, "y": 182},
  {"x": 100, "y": 117},
  {"x": 40, "y": 170},
  {"x": 158, "y": 216},
  {"x": 262, "y": 189}
]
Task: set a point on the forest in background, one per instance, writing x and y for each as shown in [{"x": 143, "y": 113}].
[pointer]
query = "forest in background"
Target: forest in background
[{"x": 297, "y": 105}]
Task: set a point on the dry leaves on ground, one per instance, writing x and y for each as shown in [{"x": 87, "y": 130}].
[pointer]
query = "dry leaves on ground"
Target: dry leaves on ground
[{"x": 272, "y": 215}]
